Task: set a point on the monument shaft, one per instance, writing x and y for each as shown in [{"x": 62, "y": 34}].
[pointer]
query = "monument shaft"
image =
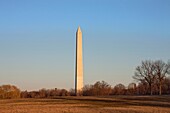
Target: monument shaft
[{"x": 79, "y": 63}]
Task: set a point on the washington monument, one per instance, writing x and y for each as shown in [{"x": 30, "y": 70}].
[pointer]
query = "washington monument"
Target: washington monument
[{"x": 79, "y": 63}]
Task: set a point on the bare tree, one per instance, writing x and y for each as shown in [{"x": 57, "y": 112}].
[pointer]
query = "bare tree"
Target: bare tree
[
  {"x": 64, "y": 92},
  {"x": 72, "y": 92},
  {"x": 161, "y": 70},
  {"x": 9, "y": 92},
  {"x": 101, "y": 88},
  {"x": 166, "y": 85},
  {"x": 98, "y": 89},
  {"x": 42, "y": 93},
  {"x": 145, "y": 72},
  {"x": 119, "y": 89},
  {"x": 131, "y": 89},
  {"x": 142, "y": 88},
  {"x": 88, "y": 90}
]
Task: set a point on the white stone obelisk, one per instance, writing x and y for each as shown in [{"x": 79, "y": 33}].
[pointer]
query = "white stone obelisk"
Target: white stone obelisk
[{"x": 79, "y": 63}]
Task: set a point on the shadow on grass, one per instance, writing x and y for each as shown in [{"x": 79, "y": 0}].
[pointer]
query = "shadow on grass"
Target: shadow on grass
[
  {"x": 123, "y": 101},
  {"x": 109, "y": 101}
]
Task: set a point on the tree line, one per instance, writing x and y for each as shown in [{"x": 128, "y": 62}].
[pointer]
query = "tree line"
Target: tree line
[
  {"x": 153, "y": 73},
  {"x": 151, "y": 76}
]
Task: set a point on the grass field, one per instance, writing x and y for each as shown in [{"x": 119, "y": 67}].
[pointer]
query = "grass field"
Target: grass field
[{"x": 115, "y": 104}]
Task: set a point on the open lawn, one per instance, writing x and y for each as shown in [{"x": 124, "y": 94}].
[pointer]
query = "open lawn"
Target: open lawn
[{"x": 114, "y": 104}]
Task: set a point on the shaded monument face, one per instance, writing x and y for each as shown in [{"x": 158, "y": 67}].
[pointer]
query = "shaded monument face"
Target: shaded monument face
[{"x": 79, "y": 63}]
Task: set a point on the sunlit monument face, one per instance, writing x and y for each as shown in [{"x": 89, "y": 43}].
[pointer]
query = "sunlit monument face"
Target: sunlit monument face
[{"x": 79, "y": 63}]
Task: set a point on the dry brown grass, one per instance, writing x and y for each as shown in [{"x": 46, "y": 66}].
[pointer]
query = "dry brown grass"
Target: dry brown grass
[{"x": 115, "y": 104}]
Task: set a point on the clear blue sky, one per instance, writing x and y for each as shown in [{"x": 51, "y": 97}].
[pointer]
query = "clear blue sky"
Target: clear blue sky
[{"x": 37, "y": 40}]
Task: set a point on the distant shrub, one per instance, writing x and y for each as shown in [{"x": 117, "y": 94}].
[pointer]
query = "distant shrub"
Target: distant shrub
[
  {"x": 98, "y": 89},
  {"x": 9, "y": 92}
]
